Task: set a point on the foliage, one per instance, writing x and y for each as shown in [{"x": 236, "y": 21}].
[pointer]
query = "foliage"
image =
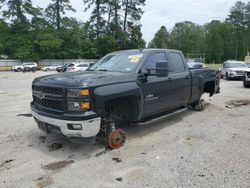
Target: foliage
[
  {"x": 32, "y": 33},
  {"x": 220, "y": 41}
]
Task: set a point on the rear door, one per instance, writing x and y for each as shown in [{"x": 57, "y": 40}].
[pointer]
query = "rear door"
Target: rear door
[
  {"x": 158, "y": 92},
  {"x": 180, "y": 78}
]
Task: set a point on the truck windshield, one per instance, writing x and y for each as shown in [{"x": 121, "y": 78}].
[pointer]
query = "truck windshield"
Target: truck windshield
[
  {"x": 125, "y": 62},
  {"x": 236, "y": 65}
]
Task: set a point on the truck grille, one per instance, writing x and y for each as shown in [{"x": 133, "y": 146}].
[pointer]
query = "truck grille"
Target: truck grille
[
  {"x": 49, "y": 98},
  {"x": 48, "y": 90},
  {"x": 240, "y": 72},
  {"x": 47, "y": 103}
]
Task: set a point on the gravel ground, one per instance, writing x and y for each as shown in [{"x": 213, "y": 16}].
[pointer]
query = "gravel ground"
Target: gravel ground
[{"x": 190, "y": 149}]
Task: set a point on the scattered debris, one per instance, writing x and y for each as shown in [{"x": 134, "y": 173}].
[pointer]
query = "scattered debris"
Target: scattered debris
[
  {"x": 230, "y": 107},
  {"x": 237, "y": 103},
  {"x": 188, "y": 138},
  {"x": 119, "y": 179},
  {"x": 117, "y": 159},
  {"x": 201, "y": 175},
  {"x": 25, "y": 115},
  {"x": 70, "y": 156},
  {"x": 182, "y": 157},
  {"x": 143, "y": 153},
  {"x": 42, "y": 138},
  {"x": 55, "y": 146},
  {"x": 57, "y": 165},
  {"x": 157, "y": 157},
  {"x": 103, "y": 152},
  {"x": 44, "y": 181},
  {"x": 6, "y": 162},
  {"x": 40, "y": 178}
]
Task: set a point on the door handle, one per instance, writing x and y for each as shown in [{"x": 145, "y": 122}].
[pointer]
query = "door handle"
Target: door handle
[{"x": 170, "y": 79}]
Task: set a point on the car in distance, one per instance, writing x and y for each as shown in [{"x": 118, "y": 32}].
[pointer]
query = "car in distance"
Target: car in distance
[
  {"x": 24, "y": 66},
  {"x": 233, "y": 69},
  {"x": 75, "y": 67},
  {"x": 62, "y": 68},
  {"x": 51, "y": 68},
  {"x": 196, "y": 65},
  {"x": 125, "y": 87}
]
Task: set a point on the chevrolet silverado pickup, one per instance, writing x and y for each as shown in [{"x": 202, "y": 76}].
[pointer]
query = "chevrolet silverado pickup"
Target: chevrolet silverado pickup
[{"x": 129, "y": 86}]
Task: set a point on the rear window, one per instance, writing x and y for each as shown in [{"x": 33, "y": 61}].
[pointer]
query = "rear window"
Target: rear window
[{"x": 176, "y": 62}]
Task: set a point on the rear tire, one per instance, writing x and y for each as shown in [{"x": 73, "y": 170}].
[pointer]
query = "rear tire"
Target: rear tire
[
  {"x": 245, "y": 84},
  {"x": 227, "y": 77},
  {"x": 18, "y": 70}
]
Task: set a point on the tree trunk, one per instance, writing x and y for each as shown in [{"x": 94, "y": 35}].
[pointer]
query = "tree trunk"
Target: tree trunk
[
  {"x": 98, "y": 18},
  {"x": 125, "y": 16},
  {"x": 58, "y": 16},
  {"x": 19, "y": 11}
]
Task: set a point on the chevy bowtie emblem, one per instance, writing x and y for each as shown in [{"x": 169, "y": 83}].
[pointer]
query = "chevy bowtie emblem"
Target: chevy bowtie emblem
[{"x": 39, "y": 94}]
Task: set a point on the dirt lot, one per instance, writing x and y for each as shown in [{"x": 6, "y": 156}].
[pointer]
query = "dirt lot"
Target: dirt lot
[{"x": 191, "y": 149}]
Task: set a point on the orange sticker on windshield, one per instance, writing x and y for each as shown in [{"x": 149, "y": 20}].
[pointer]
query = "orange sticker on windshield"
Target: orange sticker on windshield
[{"x": 135, "y": 58}]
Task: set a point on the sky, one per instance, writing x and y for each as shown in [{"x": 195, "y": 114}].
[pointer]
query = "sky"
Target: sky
[{"x": 166, "y": 12}]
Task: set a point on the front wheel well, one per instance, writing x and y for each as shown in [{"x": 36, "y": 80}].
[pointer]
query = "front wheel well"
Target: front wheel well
[
  {"x": 125, "y": 107},
  {"x": 209, "y": 87}
]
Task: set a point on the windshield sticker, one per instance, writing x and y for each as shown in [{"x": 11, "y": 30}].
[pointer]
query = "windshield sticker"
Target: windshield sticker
[{"x": 135, "y": 58}]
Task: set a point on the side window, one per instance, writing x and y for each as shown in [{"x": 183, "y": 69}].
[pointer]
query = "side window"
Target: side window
[
  {"x": 153, "y": 59},
  {"x": 224, "y": 65},
  {"x": 176, "y": 63}
]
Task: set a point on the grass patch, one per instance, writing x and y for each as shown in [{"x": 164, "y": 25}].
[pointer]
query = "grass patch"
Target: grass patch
[
  {"x": 5, "y": 68},
  {"x": 213, "y": 66}
]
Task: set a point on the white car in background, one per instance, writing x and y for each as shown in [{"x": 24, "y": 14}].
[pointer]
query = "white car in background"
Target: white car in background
[
  {"x": 24, "y": 65},
  {"x": 51, "y": 68},
  {"x": 75, "y": 67},
  {"x": 234, "y": 69}
]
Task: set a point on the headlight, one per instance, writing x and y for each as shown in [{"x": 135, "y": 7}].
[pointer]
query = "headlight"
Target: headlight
[
  {"x": 77, "y": 106},
  {"x": 231, "y": 70},
  {"x": 78, "y": 92}
]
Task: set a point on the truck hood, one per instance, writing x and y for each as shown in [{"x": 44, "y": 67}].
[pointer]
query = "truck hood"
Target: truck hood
[{"x": 84, "y": 79}]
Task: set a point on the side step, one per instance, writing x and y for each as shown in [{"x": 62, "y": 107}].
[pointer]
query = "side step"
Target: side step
[{"x": 163, "y": 116}]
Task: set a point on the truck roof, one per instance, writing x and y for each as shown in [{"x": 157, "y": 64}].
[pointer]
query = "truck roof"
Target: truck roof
[{"x": 146, "y": 50}]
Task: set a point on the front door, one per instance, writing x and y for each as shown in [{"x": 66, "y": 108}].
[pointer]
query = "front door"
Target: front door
[{"x": 158, "y": 92}]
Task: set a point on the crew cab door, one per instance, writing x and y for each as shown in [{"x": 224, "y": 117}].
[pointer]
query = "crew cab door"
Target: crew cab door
[
  {"x": 158, "y": 92},
  {"x": 180, "y": 77}
]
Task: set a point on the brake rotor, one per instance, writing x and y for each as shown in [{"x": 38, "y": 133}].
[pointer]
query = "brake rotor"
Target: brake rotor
[{"x": 116, "y": 139}]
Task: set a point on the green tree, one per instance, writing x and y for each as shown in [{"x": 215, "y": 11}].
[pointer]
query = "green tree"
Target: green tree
[
  {"x": 161, "y": 39},
  {"x": 188, "y": 37},
  {"x": 237, "y": 18},
  {"x": 214, "y": 42},
  {"x": 56, "y": 10}
]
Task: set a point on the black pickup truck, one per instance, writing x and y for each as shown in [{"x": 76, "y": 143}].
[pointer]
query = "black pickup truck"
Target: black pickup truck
[{"x": 129, "y": 86}]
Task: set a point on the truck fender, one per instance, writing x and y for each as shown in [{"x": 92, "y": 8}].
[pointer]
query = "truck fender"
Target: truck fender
[{"x": 107, "y": 93}]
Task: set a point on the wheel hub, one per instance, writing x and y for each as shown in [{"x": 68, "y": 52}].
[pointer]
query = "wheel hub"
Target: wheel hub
[{"x": 116, "y": 139}]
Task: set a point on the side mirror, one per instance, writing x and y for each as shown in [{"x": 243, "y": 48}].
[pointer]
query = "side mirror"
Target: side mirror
[{"x": 161, "y": 69}]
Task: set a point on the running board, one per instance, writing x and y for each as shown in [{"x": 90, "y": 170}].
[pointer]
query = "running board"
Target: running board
[{"x": 163, "y": 117}]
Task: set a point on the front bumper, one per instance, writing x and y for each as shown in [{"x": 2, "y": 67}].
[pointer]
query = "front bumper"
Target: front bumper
[
  {"x": 236, "y": 75},
  {"x": 90, "y": 127}
]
